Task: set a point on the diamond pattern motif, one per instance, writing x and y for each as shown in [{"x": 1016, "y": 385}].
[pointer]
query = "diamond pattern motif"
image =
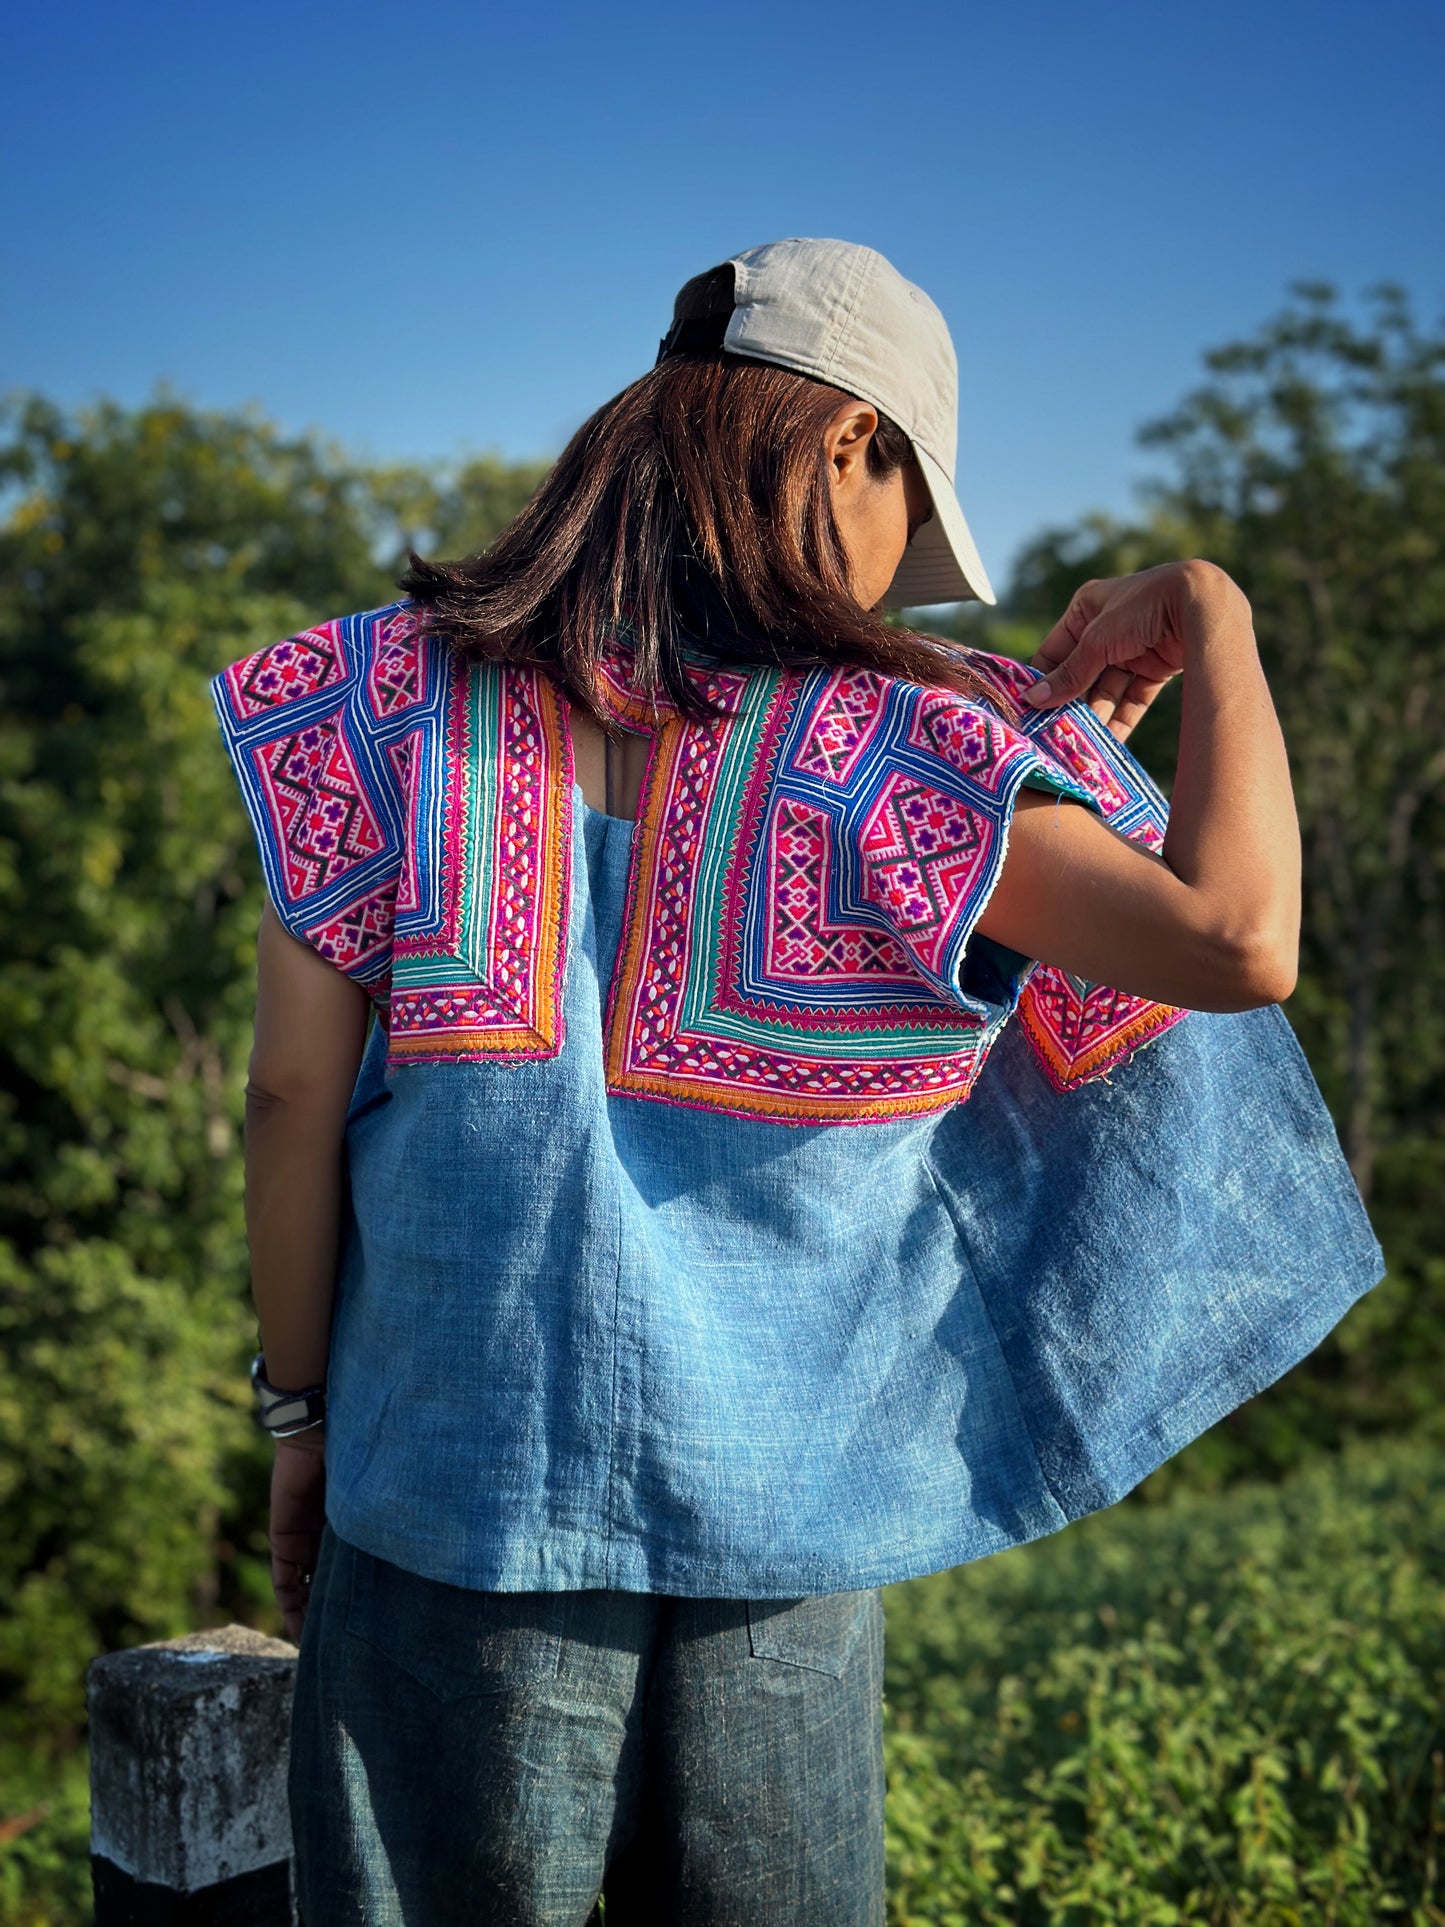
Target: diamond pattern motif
[
  {"x": 463, "y": 1008},
  {"x": 978, "y": 744},
  {"x": 802, "y": 943},
  {"x": 520, "y": 869},
  {"x": 1079, "y": 1029},
  {"x": 327, "y": 826},
  {"x": 679, "y": 838},
  {"x": 405, "y": 758},
  {"x": 354, "y": 935},
  {"x": 1063, "y": 736},
  {"x": 792, "y": 953},
  {"x": 393, "y": 676},
  {"x": 847, "y": 719},
  {"x": 923, "y": 850},
  {"x": 287, "y": 671},
  {"x": 821, "y": 1014}
]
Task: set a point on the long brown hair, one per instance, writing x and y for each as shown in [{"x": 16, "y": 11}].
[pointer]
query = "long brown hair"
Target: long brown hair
[{"x": 692, "y": 512}]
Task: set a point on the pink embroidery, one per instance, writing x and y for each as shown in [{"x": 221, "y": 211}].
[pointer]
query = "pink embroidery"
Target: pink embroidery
[
  {"x": 926, "y": 854},
  {"x": 352, "y": 937},
  {"x": 287, "y": 671},
  {"x": 1080, "y": 1030},
  {"x": 974, "y": 740},
  {"x": 486, "y": 980},
  {"x": 404, "y": 756},
  {"x": 802, "y": 943},
  {"x": 672, "y": 813},
  {"x": 420, "y": 1015},
  {"x": 393, "y": 673},
  {"x": 1011, "y": 679},
  {"x": 726, "y": 1076},
  {"x": 791, "y": 952},
  {"x": 326, "y": 822},
  {"x": 846, "y": 722},
  {"x": 784, "y": 1039},
  {"x": 512, "y": 951},
  {"x": 1063, "y": 738}
]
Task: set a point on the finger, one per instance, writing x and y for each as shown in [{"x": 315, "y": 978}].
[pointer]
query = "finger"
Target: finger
[
  {"x": 1122, "y": 689},
  {"x": 1074, "y": 676},
  {"x": 1108, "y": 692},
  {"x": 1149, "y": 666},
  {"x": 1055, "y": 646},
  {"x": 1084, "y": 605},
  {"x": 1143, "y": 690},
  {"x": 1063, "y": 638},
  {"x": 294, "y": 1552},
  {"x": 1134, "y": 706},
  {"x": 291, "y": 1583},
  {"x": 293, "y": 1607}
]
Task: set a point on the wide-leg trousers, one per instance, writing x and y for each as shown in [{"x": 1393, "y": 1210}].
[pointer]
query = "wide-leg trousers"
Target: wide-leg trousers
[{"x": 479, "y": 1757}]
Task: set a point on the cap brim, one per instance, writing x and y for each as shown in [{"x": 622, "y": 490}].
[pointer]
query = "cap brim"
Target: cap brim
[{"x": 940, "y": 564}]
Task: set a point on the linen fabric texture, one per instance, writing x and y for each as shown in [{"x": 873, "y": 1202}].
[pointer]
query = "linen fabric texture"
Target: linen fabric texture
[{"x": 727, "y": 1218}]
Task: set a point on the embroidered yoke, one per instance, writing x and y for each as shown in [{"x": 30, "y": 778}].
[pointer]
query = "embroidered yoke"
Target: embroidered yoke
[
  {"x": 808, "y": 874},
  {"x": 709, "y": 1342}
]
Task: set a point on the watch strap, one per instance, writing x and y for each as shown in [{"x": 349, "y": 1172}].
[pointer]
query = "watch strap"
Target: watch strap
[{"x": 283, "y": 1413}]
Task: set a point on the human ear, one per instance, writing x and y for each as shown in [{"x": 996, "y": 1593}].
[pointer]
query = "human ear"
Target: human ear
[{"x": 845, "y": 442}]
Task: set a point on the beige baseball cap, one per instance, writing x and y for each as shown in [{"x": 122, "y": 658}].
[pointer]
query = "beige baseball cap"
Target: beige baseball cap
[{"x": 845, "y": 315}]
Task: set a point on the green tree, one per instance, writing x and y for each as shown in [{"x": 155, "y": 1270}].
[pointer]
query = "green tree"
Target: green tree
[
  {"x": 1314, "y": 467},
  {"x": 457, "y": 511},
  {"x": 1311, "y": 464},
  {"x": 143, "y": 551}
]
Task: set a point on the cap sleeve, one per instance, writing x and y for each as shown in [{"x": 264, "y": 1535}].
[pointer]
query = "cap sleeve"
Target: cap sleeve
[
  {"x": 931, "y": 831},
  {"x": 1082, "y": 1030},
  {"x": 314, "y": 728}
]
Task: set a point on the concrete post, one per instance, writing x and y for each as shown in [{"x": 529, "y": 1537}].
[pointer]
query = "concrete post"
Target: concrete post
[{"x": 188, "y": 1819}]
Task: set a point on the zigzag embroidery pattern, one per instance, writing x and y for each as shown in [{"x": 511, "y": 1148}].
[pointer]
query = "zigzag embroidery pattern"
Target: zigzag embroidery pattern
[{"x": 808, "y": 868}]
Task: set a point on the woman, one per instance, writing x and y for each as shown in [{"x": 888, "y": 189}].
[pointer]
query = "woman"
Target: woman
[{"x": 700, "y": 1245}]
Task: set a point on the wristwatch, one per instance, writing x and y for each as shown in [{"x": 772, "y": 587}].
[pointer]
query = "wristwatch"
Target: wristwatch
[{"x": 283, "y": 1414}]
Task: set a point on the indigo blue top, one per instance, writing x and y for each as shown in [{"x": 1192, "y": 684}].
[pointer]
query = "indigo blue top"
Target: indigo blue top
[{"x": 726, "y": 1217}]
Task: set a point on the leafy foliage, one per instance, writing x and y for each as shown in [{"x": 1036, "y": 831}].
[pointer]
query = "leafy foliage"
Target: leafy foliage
[
  {"x": 1224, "y": 1711},
  {"x": 44, "y": 1842},
  {"x": 145, "y": 551},
  {"x": 1312, "y": 466}
]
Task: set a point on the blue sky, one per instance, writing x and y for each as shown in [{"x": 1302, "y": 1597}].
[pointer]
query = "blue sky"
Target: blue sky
[{"x": 438, "y": 227}]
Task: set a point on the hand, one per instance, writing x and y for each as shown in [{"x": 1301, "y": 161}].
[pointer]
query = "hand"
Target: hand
[
  {"x": 298, "y": 1514},
  {"x": 1122, "y": 639}
]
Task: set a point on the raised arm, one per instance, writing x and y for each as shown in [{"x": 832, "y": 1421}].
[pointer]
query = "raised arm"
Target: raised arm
[
  {"x": 1211, "y": 923},
  {"x": 310, "y": 1031}
]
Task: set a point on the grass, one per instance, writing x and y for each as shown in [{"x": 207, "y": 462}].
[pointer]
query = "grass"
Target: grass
[
  {"x": 1215, "y": 1711},
  {"x": 1224, "y": 1710}
]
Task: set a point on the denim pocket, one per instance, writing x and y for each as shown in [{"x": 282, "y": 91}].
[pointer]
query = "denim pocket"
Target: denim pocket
[
  {"x": 818, "y": 1634},
  {"x": 451, "y": 1640}
]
